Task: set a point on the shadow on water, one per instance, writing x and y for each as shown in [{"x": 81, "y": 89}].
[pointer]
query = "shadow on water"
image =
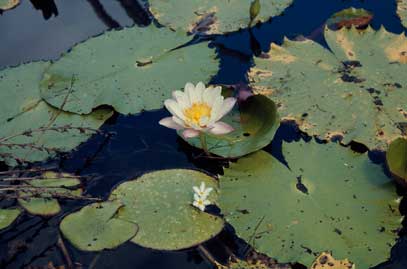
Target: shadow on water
[
  {"x": 137, "y": 144},
  {"x": 47, "y": 7}
]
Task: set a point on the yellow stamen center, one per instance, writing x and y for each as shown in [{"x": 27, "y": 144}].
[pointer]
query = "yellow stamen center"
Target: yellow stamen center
[{"x": 194, "y": 113}]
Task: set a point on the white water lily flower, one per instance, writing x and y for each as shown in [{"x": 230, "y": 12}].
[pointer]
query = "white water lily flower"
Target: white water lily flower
[
  {"x": 202, "y": 191},
  {"x": 200, "y": 202},
  {"x": 198, "y": 109}
]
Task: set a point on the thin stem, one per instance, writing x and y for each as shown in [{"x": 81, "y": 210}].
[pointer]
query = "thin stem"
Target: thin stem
[
  {"x": 65, "y": 252},
  {"x": 204, "y": 145},
  {"x": 26, "y": 170},
  {"x": 209, "y": 256}
]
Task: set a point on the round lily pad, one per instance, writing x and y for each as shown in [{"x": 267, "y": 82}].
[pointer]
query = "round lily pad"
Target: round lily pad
[
  {"x": 8, "y": 216},
  {"x": 133, "y": 69},
  {"x": 53, "y": 179},
  {"x": 255, "y": 121},
  {"x": 30, "y": 129},
  {"x": 355, "y": 90},
  {"x": 8, "y": 4},
  {"x": 161, "y": 204},
  {"x": 46, "y": 206},
  {"x": 95, "y": 227},
  {"x": 396, "y": 157},
  {"x": 331, "y": 199},
  {"x": 212, "y": 16},
  {"x": 349, "y": 17}
]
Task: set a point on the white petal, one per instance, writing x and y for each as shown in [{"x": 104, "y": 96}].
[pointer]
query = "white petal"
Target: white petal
[
  {"x": 204, "y": 121},
  {"x": 178, "y": 121},
  {"x": 227, "y": 106},
  {"x": 202, "y": 187},
  {"x": 181, "y": 98},
  {"x": 170, "y": 123},
  {"x": 207, "y": 202},
  {"x": 195, "y": 203},
  {"x": 221, "y": 128},
  {"x": 191, "y": 93},
  {"x": 206, "y": 192},
  {"x": 216, "y": 109},
  {"x": 189, "y": 133},
  {"x": 199, "y": 204},
  {"x": 197, "y": 197},
  {"x": 174, "y": 108},
  {"x": 211, "y": 94},
  {"x": 196, "y": 190},
  {"x": 199, "y": 89}
]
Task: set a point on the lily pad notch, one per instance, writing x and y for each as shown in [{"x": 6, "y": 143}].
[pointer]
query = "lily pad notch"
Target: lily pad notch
[{"x": 139, "y": 76}]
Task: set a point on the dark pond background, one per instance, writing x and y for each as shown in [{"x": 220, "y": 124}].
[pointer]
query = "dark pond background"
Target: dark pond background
[{"x": 43, "y": 29}]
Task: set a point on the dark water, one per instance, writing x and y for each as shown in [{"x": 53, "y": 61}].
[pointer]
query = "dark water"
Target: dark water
[{"x": 43, "y": 29}]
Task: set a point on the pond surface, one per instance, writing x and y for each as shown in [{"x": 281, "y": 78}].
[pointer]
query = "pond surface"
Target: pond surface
[{"x": 137, "y": 144}]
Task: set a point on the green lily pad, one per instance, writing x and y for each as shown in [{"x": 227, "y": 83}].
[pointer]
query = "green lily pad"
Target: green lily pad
[
  {"x": 30, "y": 129},
  {"x": 402, "y": 11},
  {"x": 39, "y": 199},
  {"x": 396, "y": 157},
  {"x": 8, "y": 216},
  {"x": 212, "y": 16},
  {"x": 357, "y": 17},
  {"x": 133, "y": 69},
  {"x": 332, "y": 198},
  {"x": 8, "y": 4},
  {"x": 52, "y": 179},
  {"x": 255, "y": 121},
  {"x": 355, "y": 90},
  {"x": 41, "y": 202},
  {"x": 95, "y": 227},
  {"x": 161, "y": 204},
  {"x": 39, "y": 206}
]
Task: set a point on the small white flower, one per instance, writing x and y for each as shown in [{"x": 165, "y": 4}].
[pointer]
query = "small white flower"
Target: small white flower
[
  {"x": 200, "y": 202},
  {"x": 202, "y": 191},
  {"x": 198, "y": 109}
]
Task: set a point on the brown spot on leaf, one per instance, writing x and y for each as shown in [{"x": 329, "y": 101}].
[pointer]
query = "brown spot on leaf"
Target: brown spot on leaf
[
  {"x": 397, "y": 50},
  {"x": 325, "y": 260},
  {"x": 206, "y": 22},
  {"x": 280, "y": 54},
  {"x": 345, "y": 44}
]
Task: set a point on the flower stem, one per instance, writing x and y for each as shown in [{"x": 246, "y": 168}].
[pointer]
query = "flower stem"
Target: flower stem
[{"x": 204, "y": 145}]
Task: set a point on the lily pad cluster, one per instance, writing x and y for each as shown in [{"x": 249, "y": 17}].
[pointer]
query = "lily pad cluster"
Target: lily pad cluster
[
  {"x": 350, "y": 204},
  {"x": 354, "y": 91},
  {"x": 155, "y": 209},
  {"x": 212, "y": 16},
  {"x": 39, "y": 195},
  {"x": 30, "y": 129}
]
